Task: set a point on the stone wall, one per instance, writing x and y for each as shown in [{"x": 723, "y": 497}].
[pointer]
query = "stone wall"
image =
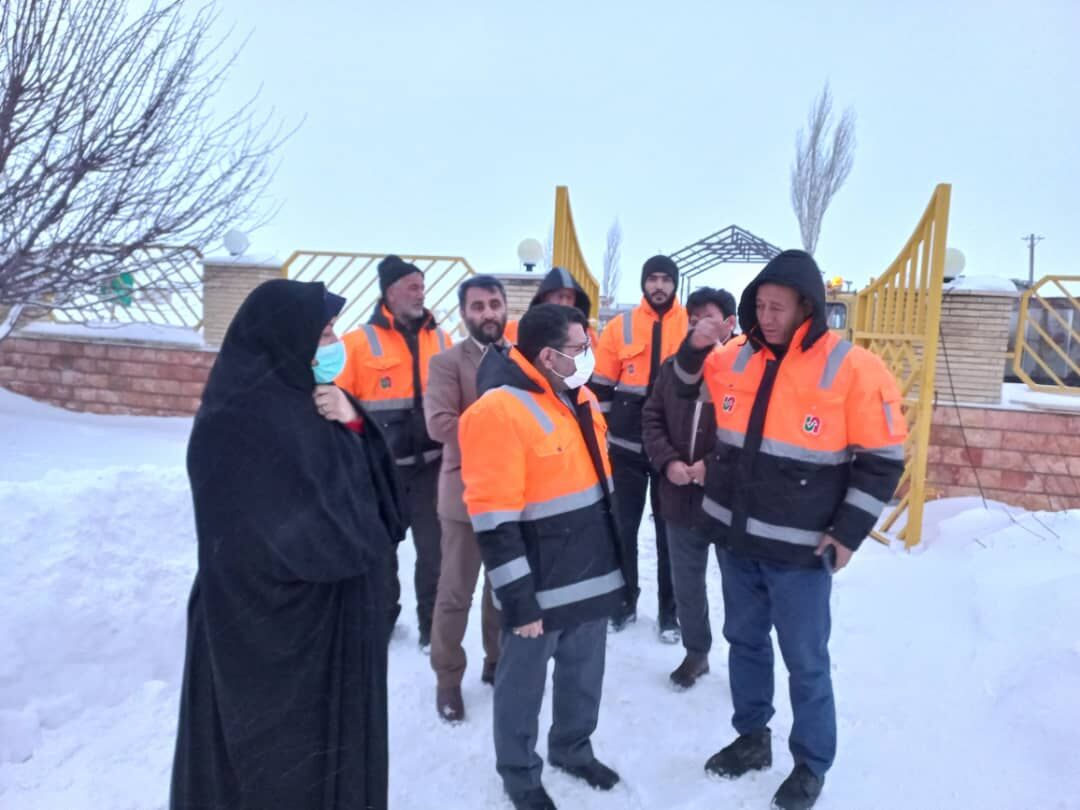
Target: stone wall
[{"x": 1020, "y": 457}]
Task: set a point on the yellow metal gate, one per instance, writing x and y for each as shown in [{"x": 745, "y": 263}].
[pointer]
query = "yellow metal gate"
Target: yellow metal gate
[{"x": 898, "y": 317}]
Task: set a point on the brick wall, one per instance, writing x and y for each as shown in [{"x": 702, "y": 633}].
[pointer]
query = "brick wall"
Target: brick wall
[
  {"x": 975, "y": 334},
  {"x": 226, "y": 283},
  {"x": 106, "y": 377},
  {"x": 1024, "y": 458},
  {"x": 520, "y": 291}
]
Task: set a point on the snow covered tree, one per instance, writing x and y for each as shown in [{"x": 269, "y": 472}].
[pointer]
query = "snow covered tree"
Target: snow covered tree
[
  {"x": 824, "y": 156},
  {"x": 109, "y": 148}
]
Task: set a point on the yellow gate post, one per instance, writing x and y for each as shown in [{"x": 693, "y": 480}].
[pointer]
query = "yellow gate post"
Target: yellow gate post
[
  {"x": 898, "y": 317},
  {"x": 566, "y": 252}
]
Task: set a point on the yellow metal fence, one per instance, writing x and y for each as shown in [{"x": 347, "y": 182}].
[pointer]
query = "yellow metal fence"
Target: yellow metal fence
[
  {"x": 898, "y": 317},
  {"x": 1046, "y": 352},
  {"x": 354, "y": 276}
]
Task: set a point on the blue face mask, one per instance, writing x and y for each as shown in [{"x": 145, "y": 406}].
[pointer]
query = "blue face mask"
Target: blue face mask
[{"x": 329, "y": 362}]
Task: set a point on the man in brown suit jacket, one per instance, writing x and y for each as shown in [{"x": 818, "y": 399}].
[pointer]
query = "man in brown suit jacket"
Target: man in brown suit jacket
[{"x": 450, "y": 390}]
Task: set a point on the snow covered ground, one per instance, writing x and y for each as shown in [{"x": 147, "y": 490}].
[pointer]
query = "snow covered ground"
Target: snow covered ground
[{"x": 957, "y": 669}]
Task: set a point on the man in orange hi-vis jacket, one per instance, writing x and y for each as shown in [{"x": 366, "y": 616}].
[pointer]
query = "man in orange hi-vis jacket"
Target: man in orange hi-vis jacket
[
  {"x": 632, "y": 348},
  {"x": 387, "y": 370},
  {"x": 538, "y": 492},
  {"x": 809, "y": 450}
]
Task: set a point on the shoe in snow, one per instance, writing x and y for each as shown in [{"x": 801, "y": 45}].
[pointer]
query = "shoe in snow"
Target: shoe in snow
[
  {"x": 487, "y": 675},
  {"x": 799, "y": 791},
  {"x": 449, "y": 704},
  {"x": 425, "y": 641},
  {"x": 535, "y": 799},
  {"x": 595, "y": 773},
  {"x": 749, "y": 752},
  {"x": 693, "y": 666},
  {"x": 668, "y": 629}
]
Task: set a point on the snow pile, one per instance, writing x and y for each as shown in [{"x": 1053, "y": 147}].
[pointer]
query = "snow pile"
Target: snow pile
[
  {"x": 96, "y": 568},
  {"x": 957, "y": 669},
  {"x": 981, "y": 284},
  {"x": 113, "y": 330},
  {"x": 1018, "y": 395}
]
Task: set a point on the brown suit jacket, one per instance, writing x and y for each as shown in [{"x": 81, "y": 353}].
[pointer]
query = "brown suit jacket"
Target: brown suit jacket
[{"x": 451, "y": 388}]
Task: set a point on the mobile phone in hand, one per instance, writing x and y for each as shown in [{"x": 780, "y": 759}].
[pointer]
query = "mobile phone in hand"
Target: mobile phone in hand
[{"x": 828, "y": 559}]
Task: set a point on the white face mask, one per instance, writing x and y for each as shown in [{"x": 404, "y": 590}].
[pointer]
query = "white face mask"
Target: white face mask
[{"x": 584, "y": 364}]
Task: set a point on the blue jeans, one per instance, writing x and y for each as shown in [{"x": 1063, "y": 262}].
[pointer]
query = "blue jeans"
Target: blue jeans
[{"x": 795, "y": 600}]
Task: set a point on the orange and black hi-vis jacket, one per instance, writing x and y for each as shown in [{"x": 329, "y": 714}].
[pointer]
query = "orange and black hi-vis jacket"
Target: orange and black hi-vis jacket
[
  {"x": 808, "y": 443},
  {"x": 538, "y": 491},
  {"x": 632, "y": 348},
  {"x": 386, "y": 368}
]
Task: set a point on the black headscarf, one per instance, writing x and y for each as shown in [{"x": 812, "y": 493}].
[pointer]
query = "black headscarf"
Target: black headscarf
[{"x": 260, "y": 446}]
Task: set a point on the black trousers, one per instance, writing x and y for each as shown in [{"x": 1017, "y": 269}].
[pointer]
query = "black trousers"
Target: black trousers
[
  {"x": 634, "y": 476},
  {"x": 419, "y": 485}
]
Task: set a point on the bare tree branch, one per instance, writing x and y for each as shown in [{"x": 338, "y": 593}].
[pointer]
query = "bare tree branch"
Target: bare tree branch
[
  {"x": 109, "y": 147},
  {"x": 821, "y": 166},
  {"x": 612, "y": 270}
]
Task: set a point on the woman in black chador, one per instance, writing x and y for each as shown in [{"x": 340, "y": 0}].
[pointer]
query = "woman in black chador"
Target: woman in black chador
[{"x": 284, "y": 696}]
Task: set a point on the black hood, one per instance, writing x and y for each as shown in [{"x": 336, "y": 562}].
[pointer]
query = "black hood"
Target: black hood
[
  {"x": 270, "y": 342},
  {"x": 497, "y": 368},
  {"x": 798, "y": 270},
  {"x": 560, "y": 279}
]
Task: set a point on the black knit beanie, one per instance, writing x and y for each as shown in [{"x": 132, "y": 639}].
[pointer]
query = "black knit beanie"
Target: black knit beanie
[
  {"x": 393, "y": 268},
  {"x": 660, "y": 264}
]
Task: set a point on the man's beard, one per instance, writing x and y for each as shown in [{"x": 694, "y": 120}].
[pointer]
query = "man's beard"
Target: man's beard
[
  {"x": 482, "y": 332},
  {"x": 664, "y": 298}
]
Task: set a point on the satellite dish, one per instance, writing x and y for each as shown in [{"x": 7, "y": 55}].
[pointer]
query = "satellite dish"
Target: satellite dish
[
  {"x": 530, "y": 252},
  {"x": 954, "y": 261},
  {"x": 236, "y": 242}
]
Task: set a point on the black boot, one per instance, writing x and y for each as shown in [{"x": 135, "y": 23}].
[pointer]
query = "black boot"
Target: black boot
[
  {"x": 535, "y": 799},
  {"x": 799, "y": 791},
  {"x": 488, "y": 674},
  {"x": 424, "y": 640},
  {"x": 595, "y": 773},
  {"x": 694, "y": 665},
  {"x": 750, "y": 752}
]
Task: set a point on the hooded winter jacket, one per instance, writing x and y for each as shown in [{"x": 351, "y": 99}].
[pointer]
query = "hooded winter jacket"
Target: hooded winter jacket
[
  {"x": 557, "y": 279},
  {"x": 807, "y": 444}
]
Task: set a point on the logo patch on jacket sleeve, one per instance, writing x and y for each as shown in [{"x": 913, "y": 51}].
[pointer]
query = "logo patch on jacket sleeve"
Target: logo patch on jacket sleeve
[
  {"x": 812, "y": 425},
  {"x": 384, "y": 383},
  {"x": 727, "y": 405}
]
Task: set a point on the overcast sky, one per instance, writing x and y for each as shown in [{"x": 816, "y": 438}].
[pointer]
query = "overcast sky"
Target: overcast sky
[{"x": 435, "y": 127}]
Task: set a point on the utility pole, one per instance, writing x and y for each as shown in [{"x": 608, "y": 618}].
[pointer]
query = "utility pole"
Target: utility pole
[{"x": 1032, "y": 240}]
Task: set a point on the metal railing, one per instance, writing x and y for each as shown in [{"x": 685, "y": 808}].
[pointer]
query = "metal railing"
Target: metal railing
[
  {"x": 1046, "y": 347},
  {"x": 898, "y": 317},
  {"x": 163, "y": 287},
  {"x": 566, "y": 252},
  {"x": 354, "y": 276}
]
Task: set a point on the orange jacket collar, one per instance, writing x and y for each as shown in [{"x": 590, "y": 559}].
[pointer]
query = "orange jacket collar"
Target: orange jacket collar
[
  {"x": 795, "y": 344},
  {"x": 383, "y": 317},
  {"x": 647, "y": 308}
]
